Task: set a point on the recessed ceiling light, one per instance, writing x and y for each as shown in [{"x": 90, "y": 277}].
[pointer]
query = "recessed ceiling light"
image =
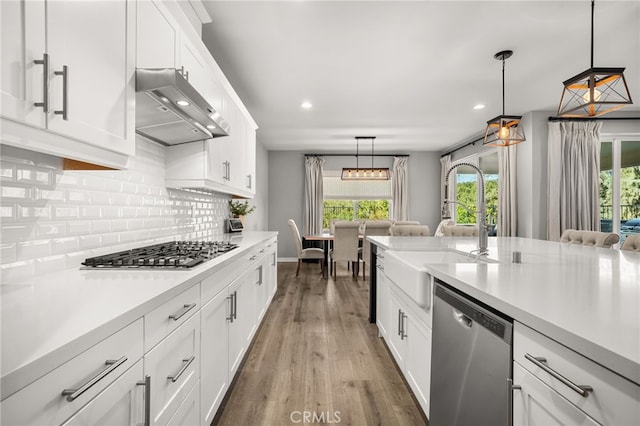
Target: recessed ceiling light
[
  {"x": 306, "y": 105},
  {"x": 183, "y": 103},
  {"x": 479, "y": 106},
  {"x": 211, "y": 126}
]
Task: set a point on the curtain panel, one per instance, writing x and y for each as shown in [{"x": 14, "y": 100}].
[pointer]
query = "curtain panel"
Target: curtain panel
[
  {"x": 573, "y": 190},
  {"x": 507, "y": 192},
  {"x": 313, "y": 196},
  {"x": 400, "y": 188}
]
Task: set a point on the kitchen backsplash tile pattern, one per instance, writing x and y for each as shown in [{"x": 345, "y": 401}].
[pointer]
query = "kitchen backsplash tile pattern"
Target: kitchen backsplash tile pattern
[{"x": 53, "y": 219}]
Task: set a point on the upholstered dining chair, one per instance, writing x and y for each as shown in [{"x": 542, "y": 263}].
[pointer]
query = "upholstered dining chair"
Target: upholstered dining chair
[
  {"x": 409, "y": 231},
  {"x": 405, "y": 222},
  {"x": 345, "y": 244},
  {"x": 589, "y": 238},
  {"x": 631, "y": 243},
  {"x": 440, "y": 228},
  {"x": 460, "y": 231},
  {"x": 372, "y": 227},
  {"x": 305, "y": 253}
]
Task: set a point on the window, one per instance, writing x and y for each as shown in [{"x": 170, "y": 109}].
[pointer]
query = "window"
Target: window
[
  {"x": 353, "y": 200},
  {"x": 467, "y": 189},
  {"x": 620, "y": 185}
]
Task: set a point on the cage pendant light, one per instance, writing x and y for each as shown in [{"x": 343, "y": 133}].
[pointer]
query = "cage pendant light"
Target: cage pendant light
[
  {"x": 596, "y": 91},
  {"x": 503, "y": 130},
  {"x": 365, "y": 173}
]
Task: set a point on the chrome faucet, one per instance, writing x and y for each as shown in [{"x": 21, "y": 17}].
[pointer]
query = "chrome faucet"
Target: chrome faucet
[{"x": 483, "y": 226}]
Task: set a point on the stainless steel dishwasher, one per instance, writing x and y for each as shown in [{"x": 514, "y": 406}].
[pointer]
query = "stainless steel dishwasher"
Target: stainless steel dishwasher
[{"x": 471, "y": 362}]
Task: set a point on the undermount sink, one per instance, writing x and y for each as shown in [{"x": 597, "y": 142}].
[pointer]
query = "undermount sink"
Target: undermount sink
[{"x": 407, "y": 270}]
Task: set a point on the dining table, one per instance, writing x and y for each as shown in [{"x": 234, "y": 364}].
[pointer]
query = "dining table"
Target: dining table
[{"x": 326, "y": 238}]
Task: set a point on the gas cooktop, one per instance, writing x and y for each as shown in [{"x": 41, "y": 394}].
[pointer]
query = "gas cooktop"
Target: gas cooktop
[{"x": 174, "y": 255}]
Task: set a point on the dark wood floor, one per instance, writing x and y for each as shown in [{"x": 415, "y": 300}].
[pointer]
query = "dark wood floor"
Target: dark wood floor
[{"x": 317, "y": 352}]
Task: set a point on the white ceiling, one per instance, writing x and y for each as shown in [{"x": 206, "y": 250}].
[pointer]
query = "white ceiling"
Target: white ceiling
[{"x": 410, "y": 72}]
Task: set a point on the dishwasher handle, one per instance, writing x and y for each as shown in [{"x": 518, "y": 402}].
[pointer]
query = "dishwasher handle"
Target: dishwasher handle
[{"x": 462, "y": 318}]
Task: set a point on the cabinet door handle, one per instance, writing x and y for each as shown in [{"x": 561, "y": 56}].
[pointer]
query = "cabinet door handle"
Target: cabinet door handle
[
  {"x": 182, "y": 312},
  {"x": 45, "y": 82},
  {"x": 230, "y": 299},
  {"x": 147, "y": 399},
  {"x": 249, "y": 181},
  {"x": 235, "y": 305},
  {"x": 399, "y": 322},
  {"x": 65, "y": 89},
  {"x": 403, "y": 335},
  {"x": 185, "y": 364},
  {"x": 582, "y": 390},
  {"x": 259, "y": 282},
  {"x": 111, "y": 364}
]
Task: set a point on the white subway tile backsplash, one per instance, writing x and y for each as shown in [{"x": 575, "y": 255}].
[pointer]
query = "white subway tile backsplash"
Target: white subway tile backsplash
[{"x": 54, "y": 219}]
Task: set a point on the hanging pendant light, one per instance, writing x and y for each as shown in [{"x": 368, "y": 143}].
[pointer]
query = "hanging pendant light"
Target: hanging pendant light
[
  {"x": 503, "y": 130},
  {"x": 596, "y": 91},
  {"x": 380, "y": 173}
]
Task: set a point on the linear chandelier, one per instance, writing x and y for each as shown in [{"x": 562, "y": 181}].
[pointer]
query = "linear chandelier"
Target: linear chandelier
[
  {"x": 503, "y": 130},
  {"x": 596, "y": 91},
  {"x": 366, "y": 173}
]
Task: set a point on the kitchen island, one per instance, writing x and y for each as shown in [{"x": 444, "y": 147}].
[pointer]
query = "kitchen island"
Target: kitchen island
[{"x": 585, "y": 298}]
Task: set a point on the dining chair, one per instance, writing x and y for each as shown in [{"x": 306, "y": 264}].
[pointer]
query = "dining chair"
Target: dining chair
[
  {"x": 589, "y": 238},
  {"x": 305, "y": 253},
  {"x": 345, "y": 244},
  {"x": 631, "y": 243},
  {"x": 409, "y": 231},
  {"x": 405, "y": 222},
  {"x": 372, "y": 227},
  {"x": 460, "y": 231},
  {"x": 440, "y": 228}
]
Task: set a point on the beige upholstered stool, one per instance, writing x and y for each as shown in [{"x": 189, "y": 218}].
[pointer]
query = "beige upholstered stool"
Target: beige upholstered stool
[
  {"x": 631, "y": 243},
  {"x": 460, "y": 231},
  {"x": 409, "y": 231},
  {"x": 589, "y": 238}
]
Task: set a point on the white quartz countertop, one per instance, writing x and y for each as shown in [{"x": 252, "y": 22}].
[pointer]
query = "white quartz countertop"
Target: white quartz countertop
[
  {"x": 55, "y": 317},
  {"x": 585, "y": 298}
]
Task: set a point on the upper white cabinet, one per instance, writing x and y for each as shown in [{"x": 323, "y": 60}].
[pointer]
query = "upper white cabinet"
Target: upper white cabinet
[
  {"x": 158, "y": 37},
  {"x": 68, "y": 85}
]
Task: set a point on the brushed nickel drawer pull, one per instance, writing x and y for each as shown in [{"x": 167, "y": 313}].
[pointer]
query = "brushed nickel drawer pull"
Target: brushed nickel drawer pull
[
  {"x": 539, "y": 361},
  {"x": 185, "y": 364},
  {"x": 182, "y": 312},
  {"x": 45, "y": 82},
  {"x": 65, "y": 92},
  {"x": 111, "y": 364},
  {"x": 147, "y": 399}
]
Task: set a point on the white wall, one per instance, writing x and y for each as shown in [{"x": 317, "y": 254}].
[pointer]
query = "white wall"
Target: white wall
[{"x": 286, "y": 190}]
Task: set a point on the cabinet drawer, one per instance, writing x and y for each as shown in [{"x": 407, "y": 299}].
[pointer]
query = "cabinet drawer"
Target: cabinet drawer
[
  {"x": 614, "y": 399},
  {"x": 220, "y": 280},
  {"x": 170, "y": 315},
  {"x": 174, "y": 368},
  {"x": 43, "y": 402}
]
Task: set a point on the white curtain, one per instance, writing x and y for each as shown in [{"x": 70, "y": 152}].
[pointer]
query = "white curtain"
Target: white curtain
[
  {"x": 313, "y": 196},
  {"x": 400, "y": 188},
  {"x": 507, "y": 193},
  {"x": 574, "y": 177},
  {"x": 445, "y": 162}
]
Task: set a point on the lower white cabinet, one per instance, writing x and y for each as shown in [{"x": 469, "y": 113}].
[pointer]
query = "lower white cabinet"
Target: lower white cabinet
[
  {"x": 536, "y": 404},
  {"x": 188, "y": 414},
  {"x": 383, "y": 304},
  {"x": 405, "y": 328},
  {"x": 121, "y": 403},
  {"x": 174, "y": 368}
]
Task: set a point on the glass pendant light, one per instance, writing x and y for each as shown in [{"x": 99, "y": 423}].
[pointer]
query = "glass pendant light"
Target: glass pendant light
[
  {"x": 503, "y": 130},
  {"x": 380, "y": 173},
  {"x": 596, "y": 91}
]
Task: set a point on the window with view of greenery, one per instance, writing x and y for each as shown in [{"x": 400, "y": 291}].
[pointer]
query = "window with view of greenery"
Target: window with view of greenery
[
  {"x": 354, "y": 210},
  {"x": 467, "y": 190},
  {"x": 624, "y": 156}
]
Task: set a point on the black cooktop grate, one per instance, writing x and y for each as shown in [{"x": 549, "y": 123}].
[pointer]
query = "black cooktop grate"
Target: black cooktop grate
[{"x": 171, "y": 255}]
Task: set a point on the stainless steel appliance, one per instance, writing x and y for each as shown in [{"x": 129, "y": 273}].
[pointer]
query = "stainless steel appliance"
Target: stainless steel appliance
[
  {"x": 174, "y": 255},
  {"x": 471, "y": 362},
  {"x": 171, "y": 111}
]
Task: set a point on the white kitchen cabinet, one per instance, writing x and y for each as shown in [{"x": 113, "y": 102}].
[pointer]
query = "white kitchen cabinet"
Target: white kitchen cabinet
[
  {"x": 83, "y": 81},
  {"x": 250, "y": 163},
  {"x": 188, "y": 412},
  {"x": 64, "y": 391},
  {"x": 158, "y": 36},
  {"x": 550, "y": 375},
  {"x": 241, "y": 294},
  {"x": 174, "y": 368},
  {"x": 405, "y": 328},
  {"x": 122, "y": 403},
  {"x": 536, "y": 404}
]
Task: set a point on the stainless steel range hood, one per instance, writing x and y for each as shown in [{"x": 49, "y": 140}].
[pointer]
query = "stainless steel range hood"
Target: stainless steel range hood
[{"x": 170, "y": 110}]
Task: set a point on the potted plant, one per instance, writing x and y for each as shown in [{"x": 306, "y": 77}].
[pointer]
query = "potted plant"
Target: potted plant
[{"x": 240, "y": 209}]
